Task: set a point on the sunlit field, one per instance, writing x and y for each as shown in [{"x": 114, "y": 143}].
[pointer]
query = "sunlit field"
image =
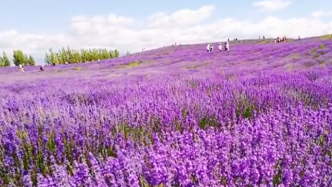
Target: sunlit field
[{"x": 257, "y": 115}]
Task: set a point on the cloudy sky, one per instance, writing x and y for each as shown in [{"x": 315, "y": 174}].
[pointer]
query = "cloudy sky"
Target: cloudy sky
[{"x": 37, "y": 25}]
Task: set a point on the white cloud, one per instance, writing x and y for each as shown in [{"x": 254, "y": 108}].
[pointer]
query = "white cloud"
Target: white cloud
[
  {"x": 184, "y": 26},
  {"x": 320, "y": 13},
  {"x": 272, "y": 5},
  {"x": 180, "y": 18}
]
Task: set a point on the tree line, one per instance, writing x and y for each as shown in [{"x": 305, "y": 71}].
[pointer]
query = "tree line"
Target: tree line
[
  {"x": 70, "y": 56},
  {"x": 4, "y": 60},
  {"x": 19, "y": 58},
  {"x": 62, "y": 56}
]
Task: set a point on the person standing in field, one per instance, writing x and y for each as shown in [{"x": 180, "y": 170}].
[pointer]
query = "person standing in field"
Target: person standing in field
[
  {"x": 211, "y": 47},
  {"x": 42, "y": 67},
  {"x": 21, "y": 67},
  {"x": 220, "y": 46},
  {"x": 226, "y": 46},
  {"x": 208, "y": 48}
]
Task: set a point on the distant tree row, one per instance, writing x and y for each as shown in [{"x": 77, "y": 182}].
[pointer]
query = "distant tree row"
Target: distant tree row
[
  {"x": 20, "y": 58},
  {"x": 70, "y": 56},
  {"x": 4, "y": 60},
  {"x": 61, "y": 57}
]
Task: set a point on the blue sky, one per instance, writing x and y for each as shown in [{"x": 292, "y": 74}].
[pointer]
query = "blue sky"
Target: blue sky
[
  {"x": 37, "y": 25},
  {"x": 39, "y": 16}
]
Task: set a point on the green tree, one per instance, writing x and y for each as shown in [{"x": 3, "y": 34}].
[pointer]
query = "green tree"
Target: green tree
[
  {"x": 31, "y": 61},
  {"x": 83, "y": 55},
  {"x": 47, "y": 59},
  {"x": 5, "y": 59},
  {"x": 53, "y": 57},
  {"x": 18, "y": 57},
  {"x": 2, "y": 64},
  {"x": 26, "y": 60}
]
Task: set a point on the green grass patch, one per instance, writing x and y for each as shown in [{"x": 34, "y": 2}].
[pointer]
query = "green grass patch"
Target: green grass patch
[
  {"x": 289, "y": 66},
  {"x": 327, "y": 36},
  {"x": 163, "y": 53},
  {"x": 293, "y": 56},
  {"x": 131, "y": 64},
  {"x": 322, "y": 46},
  {"x": 197, "y": 65},
  {"x": 78, "y": 68}
]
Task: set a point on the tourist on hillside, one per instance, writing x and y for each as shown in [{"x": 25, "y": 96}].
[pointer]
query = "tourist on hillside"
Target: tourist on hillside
[
  {"x": 20, "y": 67},
  {"x": 42, "y": 67},
  {"x": 208, "y": 48},
  {"x": 211, "y": 47},
  {"x": 220, "y": 46},
  {"x": 263, "y": 37},
  {"x": 299, "y": 37},
  {"x": 226, "y": 46}
]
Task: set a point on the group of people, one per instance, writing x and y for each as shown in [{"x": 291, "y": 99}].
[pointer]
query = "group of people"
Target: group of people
[
  {"x": 21, "y": 67},
  {"x": 41, "y": 67},
  {"x": 209, "y": 47},
  {"x": 278, "y": 40}
]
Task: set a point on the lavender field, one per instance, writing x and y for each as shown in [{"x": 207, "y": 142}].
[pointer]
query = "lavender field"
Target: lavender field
[{"x": 257, "y": 115}]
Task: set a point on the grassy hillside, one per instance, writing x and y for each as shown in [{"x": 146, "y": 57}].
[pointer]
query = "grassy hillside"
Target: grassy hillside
[
  {"x": 257, "y": 115},
  {"x": 182, "y": 58}
]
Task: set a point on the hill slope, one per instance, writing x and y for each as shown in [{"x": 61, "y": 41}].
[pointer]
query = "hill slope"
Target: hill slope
[
  {"x": 257, "y": 54},
  {"x": 258, "y": 115}
]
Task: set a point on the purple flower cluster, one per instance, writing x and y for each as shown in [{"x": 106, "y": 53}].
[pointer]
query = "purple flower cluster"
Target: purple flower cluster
[{"x": 258, "y": 115}]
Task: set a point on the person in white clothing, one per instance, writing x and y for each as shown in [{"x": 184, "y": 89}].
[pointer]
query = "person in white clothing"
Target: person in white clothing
[
  {"x": 220, "y": 47},
  {"x": 42, "y": 67},
  {"x": 226, "y": 46},
  {"x": 21, "y": 67},
  {"x": 211, "y": 47},
  {"x": 208, "y": 48}
]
